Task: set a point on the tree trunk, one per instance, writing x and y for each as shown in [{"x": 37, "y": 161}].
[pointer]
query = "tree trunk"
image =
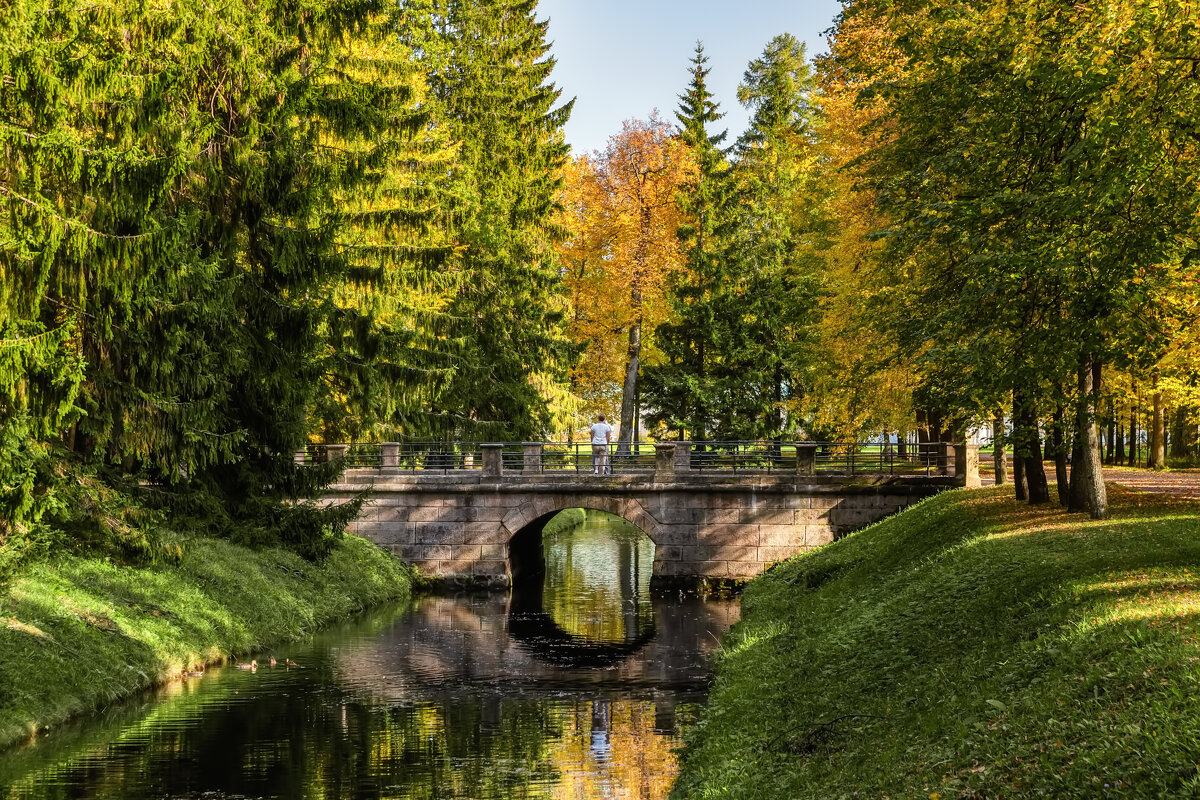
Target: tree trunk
[
  {"x": 1087, "y": 475},
  {"x": 922, "y": 428},
  {"x": 902, "y": 443},
  {"x": 999, "y": 457},
  {"x": 1157, "y": 456},
  {"x": 1119, "y": 458},
  {"x": 1133, "y": 429},
  {"x": 637, "y": 412},
  {"x": 1111, "y": 420},
  {"x": 634, "y": 357},
  {"x": 1020, "y": 487},
  {"x": 1027, "y": 446},
  {"x": 1179, "y": 431},
  {"x": 698, "y": 422},
  {"x": 1035, "y": 473},
  {"x": 937, "y": 439},
  {"x": 1062, "y": 481},
  {"x": 779, "y": 412}
]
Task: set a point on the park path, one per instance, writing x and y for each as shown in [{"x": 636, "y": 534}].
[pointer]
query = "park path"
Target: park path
[{"x": 1181, "y": 483}]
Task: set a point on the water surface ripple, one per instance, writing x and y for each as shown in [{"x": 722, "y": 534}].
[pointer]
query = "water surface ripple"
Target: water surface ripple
[{"x": 577, "y": 689}]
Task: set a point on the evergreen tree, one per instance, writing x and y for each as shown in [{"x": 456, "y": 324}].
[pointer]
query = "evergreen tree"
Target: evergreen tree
[
  {"x": 96, "y": 271},
  {"x": 383, "y": 359},
  {"x": 209, "y": 227},
  {"x": 679, "y": 390},
  {"x": 773, "y": 260},
  {"x": 317, "y": 175},
  {"x": 738, "y": 352},
  {"x": 490, "y": 72}
]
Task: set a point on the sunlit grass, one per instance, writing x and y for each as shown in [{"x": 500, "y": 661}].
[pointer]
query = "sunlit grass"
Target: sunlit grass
[
  {"x": 972, "y": 647},
  {"x": 79, "y": 633}
]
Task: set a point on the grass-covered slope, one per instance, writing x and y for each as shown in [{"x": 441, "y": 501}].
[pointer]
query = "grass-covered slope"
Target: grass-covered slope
[
  {"x": 970, "y": 647},
  {"x": 78, "y": 633}
]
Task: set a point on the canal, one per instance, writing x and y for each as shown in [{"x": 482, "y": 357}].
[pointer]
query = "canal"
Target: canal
[{"x": 580, "y": 687}]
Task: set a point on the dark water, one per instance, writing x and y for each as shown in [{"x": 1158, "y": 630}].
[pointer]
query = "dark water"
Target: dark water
[{"x": 579, "y": 690}]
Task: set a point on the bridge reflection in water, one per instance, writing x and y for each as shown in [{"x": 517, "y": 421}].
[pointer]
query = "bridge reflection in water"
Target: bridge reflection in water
[
  {"x": 588, "y": 626},
  {"x": 480, "y": 697},
  {"x": 616, "y": 671}
]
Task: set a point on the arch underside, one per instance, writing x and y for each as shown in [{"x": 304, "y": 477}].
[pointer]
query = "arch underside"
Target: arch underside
[
  {"x": 522, "y": 529},
  {"x": 628, "y": 509}
]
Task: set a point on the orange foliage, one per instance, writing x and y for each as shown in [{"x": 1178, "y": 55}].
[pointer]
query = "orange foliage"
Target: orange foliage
[
  {"x": 865, "y": 386},
  {"x": 621, "y": 209}
]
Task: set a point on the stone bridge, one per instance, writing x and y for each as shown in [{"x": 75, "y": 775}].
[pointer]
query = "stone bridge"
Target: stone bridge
[{"x": 483, "y": 522}]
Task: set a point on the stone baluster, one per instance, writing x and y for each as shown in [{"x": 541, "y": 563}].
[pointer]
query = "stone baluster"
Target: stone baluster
[
  {"x": 333, "y": 452},
  {"x": 683, "y": 456},
  {"x": 806, "y": 459},
  {"x": 493, "y": 460},
  {"x": 665, "y": 461},
  {"x": 389, "y": 455},
  {"x": 533, "y": 457},
  {"x": 966, "y": 465}
]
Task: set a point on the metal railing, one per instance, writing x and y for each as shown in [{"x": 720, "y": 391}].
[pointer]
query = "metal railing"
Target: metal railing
[
  {"x": 833, "y": 458},
  {"x": 806, "y": 458},
  {"x": 855, "y": 458},
  {"x": 410, "y": 456}
]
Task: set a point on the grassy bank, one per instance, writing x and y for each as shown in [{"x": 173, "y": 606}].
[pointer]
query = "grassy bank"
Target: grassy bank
[
  {"x": 970, "y": 647},
  {"x": 565, "y": 520},
  {"x": 77, "y": 633}
]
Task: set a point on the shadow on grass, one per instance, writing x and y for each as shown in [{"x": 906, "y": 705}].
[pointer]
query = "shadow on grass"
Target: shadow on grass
[{"x": 975, "y": 634}]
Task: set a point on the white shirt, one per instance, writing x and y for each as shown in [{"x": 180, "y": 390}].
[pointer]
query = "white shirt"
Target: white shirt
[{"x": 600, "y": 432}]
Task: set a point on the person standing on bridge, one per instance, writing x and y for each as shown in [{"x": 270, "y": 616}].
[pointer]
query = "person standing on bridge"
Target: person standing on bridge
[{"x": 601, "y": 436}]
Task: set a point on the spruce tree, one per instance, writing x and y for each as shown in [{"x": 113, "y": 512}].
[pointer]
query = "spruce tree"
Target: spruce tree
[
  {"x": 209, "y": 229},
  {"x": 680, "y": 390},
  {"x": 95, "y": 272},
  {"x": 772, "y": 258},
  {"x": 490, "y": 73},
  {"x": 320, "y": 199}
]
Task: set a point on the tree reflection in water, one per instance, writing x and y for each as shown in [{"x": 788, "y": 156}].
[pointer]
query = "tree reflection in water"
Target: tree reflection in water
[{"x": 443, "y": 699}]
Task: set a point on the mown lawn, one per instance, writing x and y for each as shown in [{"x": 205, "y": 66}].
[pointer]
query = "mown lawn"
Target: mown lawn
[
  {"x": 77, "y": 633},
  {"x": 971, "y": 647}
]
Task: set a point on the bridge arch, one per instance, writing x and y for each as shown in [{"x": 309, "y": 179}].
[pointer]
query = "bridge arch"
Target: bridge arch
[
  {"x": 537, "y": 507},
  {"x": 522, "y": 527}
]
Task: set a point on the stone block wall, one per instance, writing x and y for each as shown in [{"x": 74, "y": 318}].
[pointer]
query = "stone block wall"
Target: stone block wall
[{"x": 725, "y": 527}]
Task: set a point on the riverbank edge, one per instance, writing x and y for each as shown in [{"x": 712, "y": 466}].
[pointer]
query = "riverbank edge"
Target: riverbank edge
[
  {"x": 970, "y": 646},
  {"x": 78, "y": 634}
]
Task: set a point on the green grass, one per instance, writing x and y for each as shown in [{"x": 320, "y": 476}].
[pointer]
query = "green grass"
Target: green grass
[
  {"x": 79, "y": 633},
  {"x": 971, "y": 647},
  {"x": 564, "y": 521}
]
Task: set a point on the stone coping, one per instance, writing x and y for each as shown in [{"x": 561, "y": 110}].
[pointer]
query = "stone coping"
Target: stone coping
[{"x": 357, "y": 480}]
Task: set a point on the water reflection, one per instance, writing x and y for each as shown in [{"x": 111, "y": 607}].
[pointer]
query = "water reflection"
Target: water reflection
[
  {"x": 592, "y": 608},
  {"x": 598, "y": 579},
  {"x": 436, "y": 700}
]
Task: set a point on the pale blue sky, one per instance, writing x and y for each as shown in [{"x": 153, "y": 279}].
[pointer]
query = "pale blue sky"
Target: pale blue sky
[{"x": 624, "y": 58}]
